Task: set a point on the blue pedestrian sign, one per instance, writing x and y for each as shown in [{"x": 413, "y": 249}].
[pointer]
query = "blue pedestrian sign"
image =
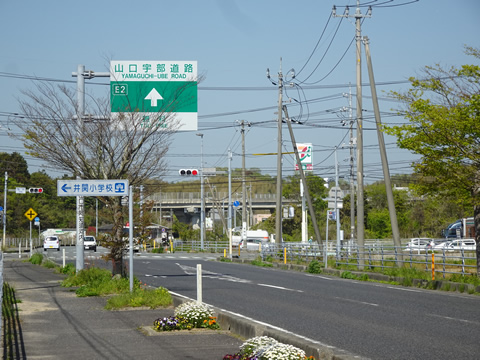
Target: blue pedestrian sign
[
  {"x": 1, "y": 208},
  {"x": 236, "y": 203},
  {"x": 92, "y": 187}
]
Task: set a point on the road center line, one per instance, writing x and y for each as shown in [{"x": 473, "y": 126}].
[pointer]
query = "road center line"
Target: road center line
[
  {"x": 280, "y": 287},
  {"x": 356, "y": 301},
  {"x": 454, "y": 319}
]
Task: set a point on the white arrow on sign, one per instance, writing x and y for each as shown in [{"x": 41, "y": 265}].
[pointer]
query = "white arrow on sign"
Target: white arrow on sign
[{"x": 154, "y": 96}]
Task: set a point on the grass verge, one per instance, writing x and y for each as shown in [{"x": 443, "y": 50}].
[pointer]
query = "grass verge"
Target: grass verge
[{"x": 11, "y": 324}]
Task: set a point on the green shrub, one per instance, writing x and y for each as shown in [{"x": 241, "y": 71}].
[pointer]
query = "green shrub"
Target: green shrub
[
  {"x": 95, "y": 282},
  {"x": 153, "y": 299},
  {"x": 158, "y": 250},
  {"x": 36, "y": 259},
  {"x": 68, "y": 269},
  {"x": 314, "y": 267},
  {"x": 49, "y": 264}
]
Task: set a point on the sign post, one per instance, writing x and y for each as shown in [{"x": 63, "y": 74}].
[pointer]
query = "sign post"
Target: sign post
[
  {"x": 156, "y": 91},
  {"x": 31, "y": 214}
]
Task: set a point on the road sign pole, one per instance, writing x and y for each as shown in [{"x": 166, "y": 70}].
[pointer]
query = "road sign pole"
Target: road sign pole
[
  {"x": 130, "y": 234},
  {"x": 31, "y": 247}
]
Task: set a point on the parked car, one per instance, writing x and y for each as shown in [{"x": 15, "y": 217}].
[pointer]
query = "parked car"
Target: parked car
[
  {"x": 90, "y": 243},
  {"x": 51, "y": 242},
  {"x": 459, "y": 244},
  {"x": 419, "y": 244}
]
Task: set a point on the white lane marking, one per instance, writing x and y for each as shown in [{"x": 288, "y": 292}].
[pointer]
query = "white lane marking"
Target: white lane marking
[
  {"x": 280, "y": 287},
  {"x": 454, "y": 319},
  {"x": 403, "y": 289},
  {"x": 190, "y": 270},
  {"x": 356, "y": 301},
  {"x": 321, "y": 277}
]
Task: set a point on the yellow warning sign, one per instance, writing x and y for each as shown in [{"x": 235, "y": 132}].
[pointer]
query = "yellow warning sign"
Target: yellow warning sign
[{"x": 31, "y": 214}]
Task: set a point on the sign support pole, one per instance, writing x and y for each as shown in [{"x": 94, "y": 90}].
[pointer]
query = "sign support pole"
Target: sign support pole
[
  {"x": 31, "y": 248},
  {"x": 130, "y": 234}
]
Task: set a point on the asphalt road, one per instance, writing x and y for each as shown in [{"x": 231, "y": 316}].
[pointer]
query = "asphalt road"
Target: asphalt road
[{"x": 372, "y": 320}]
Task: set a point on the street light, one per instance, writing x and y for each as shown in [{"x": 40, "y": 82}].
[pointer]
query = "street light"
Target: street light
[{"x": 202, "y": 211}]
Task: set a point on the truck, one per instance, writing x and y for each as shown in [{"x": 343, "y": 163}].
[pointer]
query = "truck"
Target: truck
[
  {"x": 252, "y": 236},
  {"x": 461, "y": 229}
]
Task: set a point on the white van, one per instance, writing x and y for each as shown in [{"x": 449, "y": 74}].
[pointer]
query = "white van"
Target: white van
[{"x": 460, "y": 244}]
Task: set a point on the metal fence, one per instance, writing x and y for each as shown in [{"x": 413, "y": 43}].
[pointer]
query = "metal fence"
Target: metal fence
[{"x": 374, "y": 256}]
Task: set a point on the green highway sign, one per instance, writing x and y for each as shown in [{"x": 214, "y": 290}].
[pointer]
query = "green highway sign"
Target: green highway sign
[{"x": 155, "y": 88}]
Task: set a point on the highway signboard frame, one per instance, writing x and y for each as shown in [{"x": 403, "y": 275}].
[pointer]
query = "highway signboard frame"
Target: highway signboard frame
[
  {"x": 81, "y": 187},
  {"x": 158, "y": 91}
]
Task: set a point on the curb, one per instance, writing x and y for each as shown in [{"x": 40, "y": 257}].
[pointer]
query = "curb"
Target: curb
[{"x": 247, "y": 328}]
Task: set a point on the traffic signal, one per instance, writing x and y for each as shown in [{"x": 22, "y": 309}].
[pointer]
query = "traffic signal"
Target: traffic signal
[
  {"x": 188, "y": 172},
  {"x": 35, "y": 190}
]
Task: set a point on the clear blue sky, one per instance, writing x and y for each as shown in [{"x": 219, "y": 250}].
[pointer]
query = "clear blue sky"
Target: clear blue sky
[{"x": 234, "y": 42}]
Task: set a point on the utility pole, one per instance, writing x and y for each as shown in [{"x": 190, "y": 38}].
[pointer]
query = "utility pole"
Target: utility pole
[
  {"x": 202, "y": 196},
  {"x": 81, "y": 75},
  {"x": 360, "y": 201},
  {"x": 383, "y": 152},
  {"x": 352, "y": 177},
  {"x": 230, "y": 203},
  {"x": 278, "y": 211},
  {"x": 4, "y": 216},
  {"x": 80, "y": 200},
  {"x": 337, "y": 210},
  {"x": 244, "y": 185}
]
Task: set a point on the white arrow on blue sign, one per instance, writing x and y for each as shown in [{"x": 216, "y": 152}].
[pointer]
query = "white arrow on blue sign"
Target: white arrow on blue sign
[{"x": 92, "y": 187}]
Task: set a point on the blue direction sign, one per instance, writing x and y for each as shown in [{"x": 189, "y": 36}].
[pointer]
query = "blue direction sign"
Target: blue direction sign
[
  {"x": 92, "y": 187},
  {"x": 158, "y": 91}
]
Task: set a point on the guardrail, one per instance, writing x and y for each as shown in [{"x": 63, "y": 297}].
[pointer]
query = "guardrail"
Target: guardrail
[{"x": 375, "y": 256}]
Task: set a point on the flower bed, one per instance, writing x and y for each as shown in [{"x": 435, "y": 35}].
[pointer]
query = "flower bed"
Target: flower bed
[
  {"x": 190, "y": 315},
  {"x": 267, "y": 348}
]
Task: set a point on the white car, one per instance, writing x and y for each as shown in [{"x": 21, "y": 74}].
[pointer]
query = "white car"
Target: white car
[
  {"x": 459, "y": 244},
  {"x": 51, "y": 242},
  {"x": 90, "y": 243},
  {"x": 419, "y": 244}
]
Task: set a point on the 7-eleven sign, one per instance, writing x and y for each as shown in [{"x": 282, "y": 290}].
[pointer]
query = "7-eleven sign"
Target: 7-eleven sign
[{"x": 305, "y": 152}]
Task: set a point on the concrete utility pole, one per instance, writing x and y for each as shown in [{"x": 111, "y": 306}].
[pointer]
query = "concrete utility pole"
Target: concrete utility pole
[
  {"x": 278, "y": 211},
  {"x": 360, "y": 201},
  {"x": 81, "y": 75},
  {"x": 244, "y": 186},
  {"x": 230, "y": 203},
  {"x": 352, "y": 178},
  {"x": 383, "y": 152},
  {"x": 337, "y": 210},
  {"x": 4, "y": 216},
  {"x": 202, "y": 196},
  {"x": 80, "y": 201}
]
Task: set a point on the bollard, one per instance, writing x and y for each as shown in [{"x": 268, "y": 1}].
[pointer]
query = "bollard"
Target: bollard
[
  {"x": 433, "y": 266},
  {"x": 224, "y": 253},
  {"x": 285, "y": 255},
  {"x": 199, "y": 283},
  {"x": 63, "y": 252},
  {"x": 19, "y": 249}
]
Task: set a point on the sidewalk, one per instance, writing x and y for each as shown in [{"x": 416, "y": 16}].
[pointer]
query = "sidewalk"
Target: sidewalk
[{"x": 55, "y": 324}]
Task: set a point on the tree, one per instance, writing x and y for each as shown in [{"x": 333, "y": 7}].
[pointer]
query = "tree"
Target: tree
[
  {"x": 16, "y": 166},
  {"x": 128, "y": 146},
  {"x": 443, "y": 111}
]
